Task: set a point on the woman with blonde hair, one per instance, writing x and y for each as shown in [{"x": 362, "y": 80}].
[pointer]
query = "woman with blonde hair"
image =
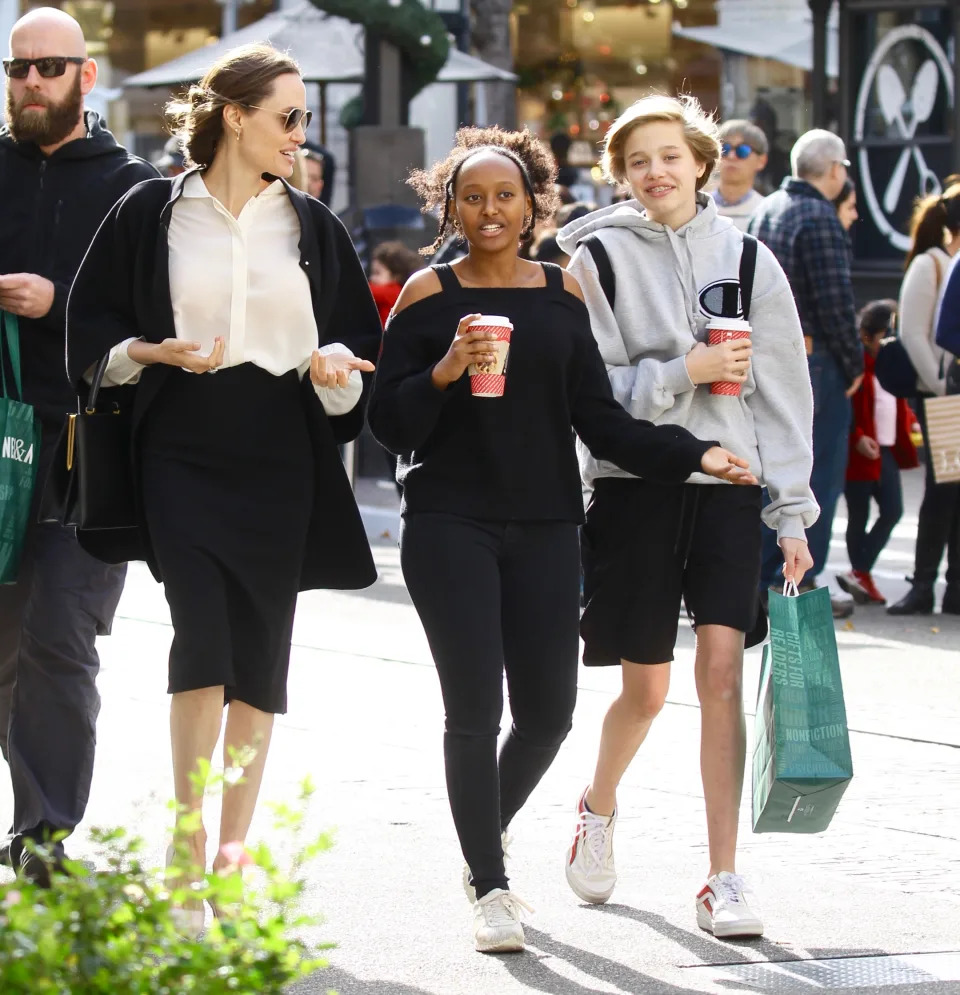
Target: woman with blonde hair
[
  {"x": 238, "y": 306},
  {"x": 655, "y": 270},
  {"x": 935, "y": 239}
]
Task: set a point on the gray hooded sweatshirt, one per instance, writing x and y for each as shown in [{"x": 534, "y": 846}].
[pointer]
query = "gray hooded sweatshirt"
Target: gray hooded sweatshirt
[{"x": 668, "y": 285}]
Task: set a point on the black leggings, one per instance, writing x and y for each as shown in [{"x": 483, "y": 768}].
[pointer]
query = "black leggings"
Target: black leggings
[{"x": 495, "y": 597}]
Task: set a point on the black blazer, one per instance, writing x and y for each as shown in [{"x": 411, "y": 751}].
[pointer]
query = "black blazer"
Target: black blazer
[{"x": 122, "y": 290}]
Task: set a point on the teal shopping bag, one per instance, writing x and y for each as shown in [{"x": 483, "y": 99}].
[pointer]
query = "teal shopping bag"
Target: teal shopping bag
[
  {"x": 801, "y": 753},
  {"x": 19, "y": 452}
]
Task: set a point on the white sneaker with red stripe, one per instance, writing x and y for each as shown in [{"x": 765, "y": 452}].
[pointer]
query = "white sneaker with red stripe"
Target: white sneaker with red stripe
[
  {"x": 723, "y": 909},
  {"x": 590, "y": 871}
]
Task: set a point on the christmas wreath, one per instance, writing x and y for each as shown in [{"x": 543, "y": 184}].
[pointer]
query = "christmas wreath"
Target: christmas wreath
[{"x": 418, "y": 33}]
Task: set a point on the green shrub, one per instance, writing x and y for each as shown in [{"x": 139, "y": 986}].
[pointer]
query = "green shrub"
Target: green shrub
[{"x": 110, "y": 930}]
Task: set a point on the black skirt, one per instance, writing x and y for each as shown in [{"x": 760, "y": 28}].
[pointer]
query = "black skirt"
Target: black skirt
[{"x": 228, "y": 481}]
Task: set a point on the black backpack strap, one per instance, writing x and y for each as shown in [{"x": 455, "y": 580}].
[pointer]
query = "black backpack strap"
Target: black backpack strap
[
  {"x": 748, "y": 268},
  {"x": 446, "y": 276},
  {"x": 608, "y": 282}
]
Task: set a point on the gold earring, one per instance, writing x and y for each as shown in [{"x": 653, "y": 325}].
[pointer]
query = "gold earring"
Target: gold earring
[{"x": 238, "y": 133}]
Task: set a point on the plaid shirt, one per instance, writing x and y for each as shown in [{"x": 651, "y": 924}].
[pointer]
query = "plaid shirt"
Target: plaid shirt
[{"x": 801, "y": 228}]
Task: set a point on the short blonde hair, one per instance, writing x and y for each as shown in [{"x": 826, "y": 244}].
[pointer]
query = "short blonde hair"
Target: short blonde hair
[{"x": 699, "y": 131}]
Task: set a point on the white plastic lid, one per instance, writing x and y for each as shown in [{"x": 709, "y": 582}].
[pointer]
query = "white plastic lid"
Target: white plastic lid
[
  {"x": 493, "y": 319},
  {"x": 730, "y": 324}
]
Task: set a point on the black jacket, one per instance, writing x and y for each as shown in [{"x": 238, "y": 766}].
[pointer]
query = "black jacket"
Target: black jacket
[
  {"x": 50, "y": 209},
  {"x": 123, "y": 290}
]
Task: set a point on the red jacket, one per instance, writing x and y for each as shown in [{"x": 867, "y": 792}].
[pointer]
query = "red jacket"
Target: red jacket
[
  {"x": 859, "y": 467},
  {"x": 385, "y": 294}
]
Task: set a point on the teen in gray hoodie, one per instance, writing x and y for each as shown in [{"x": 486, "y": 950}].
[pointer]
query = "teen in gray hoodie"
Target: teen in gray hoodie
[{"x": 675, "y": 264}]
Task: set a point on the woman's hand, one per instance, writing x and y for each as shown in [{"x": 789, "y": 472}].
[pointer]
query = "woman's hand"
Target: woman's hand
[
  {"x": 721, "y": 463},
  {"x": 177, "y": 352},
  {"x": 466, "y": 348},
  {"x": 796, "y": 559},
  {"x": 726, "y": 361},
  {"x": 868, "y": 447},
  {"x": 334, "y": 369}
]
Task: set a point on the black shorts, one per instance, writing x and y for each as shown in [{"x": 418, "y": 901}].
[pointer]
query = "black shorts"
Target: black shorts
[{"x": 646, "y": 545}]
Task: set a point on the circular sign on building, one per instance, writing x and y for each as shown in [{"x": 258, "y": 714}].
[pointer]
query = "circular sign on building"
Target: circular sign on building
[{"x": 905, "y": 88}]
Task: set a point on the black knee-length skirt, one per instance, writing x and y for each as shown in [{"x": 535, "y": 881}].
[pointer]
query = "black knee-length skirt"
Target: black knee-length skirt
[{"x": 228, "y": 488}]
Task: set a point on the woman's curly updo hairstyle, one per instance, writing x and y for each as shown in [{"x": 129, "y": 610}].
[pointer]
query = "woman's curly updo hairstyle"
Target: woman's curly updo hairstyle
[
  {"x": 242, "y": 76},
  {"x": 437, "y": 185}
]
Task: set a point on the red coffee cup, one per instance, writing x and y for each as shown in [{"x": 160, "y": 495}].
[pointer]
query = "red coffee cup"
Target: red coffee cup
[
  {"x": 726, "y": 330},
  {"x": 490, "y": 379}
]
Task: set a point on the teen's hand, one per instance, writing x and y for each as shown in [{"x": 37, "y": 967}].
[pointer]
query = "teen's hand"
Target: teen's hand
[
  {"x": 868, "y": 447},
  {"x": 334, "y": 369},
  {"x": 177, "y": 352},
  {"x": 26, "y": 294},
  {"x": 466, "y": 348},
  {"x": 796, "y": 559},
  {"x": 721, "y": 463},
  {"x": 726, "y": 361}
]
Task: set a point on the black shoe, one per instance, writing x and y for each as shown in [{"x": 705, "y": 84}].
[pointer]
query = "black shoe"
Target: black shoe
[
  {"x": 5, "y": 844},
  {"x": 917, "y": 601},
  {"x": 36, "y": 863},
  {"x": 951, "y": 600}
]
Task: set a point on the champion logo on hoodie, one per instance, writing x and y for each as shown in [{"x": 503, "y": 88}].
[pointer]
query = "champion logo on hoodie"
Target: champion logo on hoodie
[{"x": 722, "y": 299}]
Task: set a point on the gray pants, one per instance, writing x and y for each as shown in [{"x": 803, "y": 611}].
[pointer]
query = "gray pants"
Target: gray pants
[{"x": 49, "y": 621}]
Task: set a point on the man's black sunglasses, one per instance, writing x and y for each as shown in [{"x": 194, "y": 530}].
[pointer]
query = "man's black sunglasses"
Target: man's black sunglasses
[{"x": 48, "y": 67}]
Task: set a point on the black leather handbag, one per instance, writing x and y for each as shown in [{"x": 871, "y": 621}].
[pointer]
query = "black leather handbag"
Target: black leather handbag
[{"x": 90, "y": 484}]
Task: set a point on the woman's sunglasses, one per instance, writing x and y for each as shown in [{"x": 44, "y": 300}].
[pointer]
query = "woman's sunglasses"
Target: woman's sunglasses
[
  {"x": 48, "y": 67},
  {"x": 741, "y": 151},
  {"x": 291, "y": 118}
]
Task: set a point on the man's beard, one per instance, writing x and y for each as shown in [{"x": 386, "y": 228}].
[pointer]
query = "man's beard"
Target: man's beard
[{"x": 49, "y": 126}]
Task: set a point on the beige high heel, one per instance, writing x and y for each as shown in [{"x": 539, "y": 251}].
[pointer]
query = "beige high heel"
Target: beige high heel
[{"x": 188, "y": 922}]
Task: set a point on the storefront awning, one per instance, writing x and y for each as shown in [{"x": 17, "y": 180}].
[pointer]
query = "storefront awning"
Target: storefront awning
[
  {"x": 790, "y": 42},
  {"x": 329, "y": 50}
]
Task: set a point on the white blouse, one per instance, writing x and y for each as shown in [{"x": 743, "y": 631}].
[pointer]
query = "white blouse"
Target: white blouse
[{"x": 240, "y": 279}]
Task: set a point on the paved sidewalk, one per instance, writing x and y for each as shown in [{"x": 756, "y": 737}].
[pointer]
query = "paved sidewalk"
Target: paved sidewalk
[{"x": 843, "y": 909}]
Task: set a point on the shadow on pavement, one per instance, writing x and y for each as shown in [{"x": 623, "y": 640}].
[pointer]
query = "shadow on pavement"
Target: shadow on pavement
[
  {"x": 344, "y": 983},
  {"x": 534, "y": 973}
]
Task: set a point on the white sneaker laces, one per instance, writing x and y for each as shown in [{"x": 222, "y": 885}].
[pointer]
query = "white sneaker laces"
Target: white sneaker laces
[
  {"x": 505, "y": 909},
  {"x": 595, "y": 828},
  {"x": 732, "y": 888}
]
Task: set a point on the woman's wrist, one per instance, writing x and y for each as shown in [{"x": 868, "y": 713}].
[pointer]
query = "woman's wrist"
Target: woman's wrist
[
  {"x": 439, "y": 377},
  {"x": 144, "y": 353}
]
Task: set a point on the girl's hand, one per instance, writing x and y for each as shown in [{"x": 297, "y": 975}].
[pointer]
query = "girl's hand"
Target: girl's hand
[
  {"x": 726, "y": 361},
  {"x": 466, "y": 348},
  {"x": 868, "y": 447},
  {"x": 796, "y": 559},
  {"x": 721, "y": 463},
  {"x": 177, "y": 352},
  {"x": 334, "y": 370}
]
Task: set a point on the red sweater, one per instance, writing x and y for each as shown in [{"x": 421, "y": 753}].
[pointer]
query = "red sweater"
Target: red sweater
[
  {"x": 385, "y": 294},
  {"x": 859, "y": 467}
]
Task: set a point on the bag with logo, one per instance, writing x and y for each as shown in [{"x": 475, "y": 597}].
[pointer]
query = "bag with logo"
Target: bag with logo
[
  {"x": 943, "y": 437},
  {"x": 19, "y": 454},
  {"x": 801, "y": 751}
]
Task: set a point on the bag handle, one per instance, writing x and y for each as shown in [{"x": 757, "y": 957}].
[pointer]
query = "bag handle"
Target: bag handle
[
  {"x": 95, "y": 384},
  {"x": 11, "y": 339},
  {"x": 748, "y": 269},
  {"x": 790, "y": 589}
]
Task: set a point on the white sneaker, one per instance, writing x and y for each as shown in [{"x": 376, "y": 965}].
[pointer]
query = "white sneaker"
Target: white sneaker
[
  {"x": 496, "y": 922},
  {"x": 590, "y": 870},
  {"x": 722, "y": 907},
  {"x": 468, "y": 889}
]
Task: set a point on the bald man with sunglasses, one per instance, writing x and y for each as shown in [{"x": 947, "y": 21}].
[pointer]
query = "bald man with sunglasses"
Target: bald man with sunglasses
[{"x": 60, "y": 173}]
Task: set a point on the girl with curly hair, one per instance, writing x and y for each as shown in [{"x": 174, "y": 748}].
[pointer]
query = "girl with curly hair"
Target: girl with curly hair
[{"x": 492, "y": 498}]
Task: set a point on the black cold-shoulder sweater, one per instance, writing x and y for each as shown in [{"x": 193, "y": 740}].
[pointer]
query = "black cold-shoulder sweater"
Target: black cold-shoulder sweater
[{"x": 510, "y": 457}]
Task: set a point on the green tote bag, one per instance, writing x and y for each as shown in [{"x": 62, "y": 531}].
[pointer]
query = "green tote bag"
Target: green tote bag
[
  {"x": 19, "y": 453},
  {"x": 801, "y": 753}
]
